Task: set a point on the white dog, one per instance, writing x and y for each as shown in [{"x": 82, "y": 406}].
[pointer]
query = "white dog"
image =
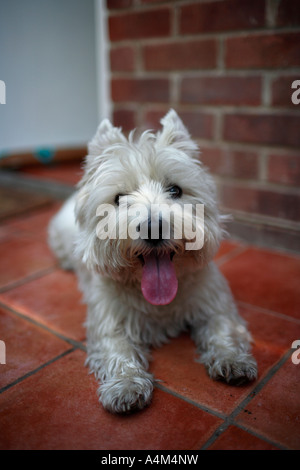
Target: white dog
[{"x": 141, "y": 290}]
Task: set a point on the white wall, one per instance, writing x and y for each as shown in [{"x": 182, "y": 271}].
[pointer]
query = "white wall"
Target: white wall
[
  {"x": 49, "y": 65},
  {"x": 102, "y": 60}
]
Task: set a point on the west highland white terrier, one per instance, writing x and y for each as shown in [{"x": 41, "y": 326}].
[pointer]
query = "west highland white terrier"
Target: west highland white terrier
[{"x": 143, "y": 254}]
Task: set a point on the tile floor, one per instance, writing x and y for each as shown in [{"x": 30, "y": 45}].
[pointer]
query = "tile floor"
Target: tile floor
[{"x": 47, "y": 398}]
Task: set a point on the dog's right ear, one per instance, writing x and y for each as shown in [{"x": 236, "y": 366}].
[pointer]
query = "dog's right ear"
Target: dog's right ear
[{"x": 106, "y": 135}]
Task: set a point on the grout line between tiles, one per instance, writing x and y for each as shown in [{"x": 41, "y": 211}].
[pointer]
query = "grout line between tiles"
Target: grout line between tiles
[
  {"x": 268, "y": 312},
  {"x": 31, "y": 277},
  {"x": 52, "y": 188},
  {"x": 71, "y": 341},
  {"x": 28, "y": 211},
  {"x": 230, "y": 419},
  {"x": 36, "y": 210},
  {"x": 188, "y": 400},
  {"x": 223, "y": 427},
  {"x": 231, "y": 254},
  {"x": 34, "y": 371},
  {"x": 259, "y": 436}
]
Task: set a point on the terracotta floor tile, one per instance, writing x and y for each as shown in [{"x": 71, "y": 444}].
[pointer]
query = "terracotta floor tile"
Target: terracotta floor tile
[
  {"x": 24, "y": 248},
  {"x": 23, "y": 256},
  {"x": 34, "y": 223},
  {"x": 17, "y": 201},
  {"x": 69, "y": 173},
  {"x": 57, "y": 408},
  {"x": 266, "y": 279},
  {"x": 175, "y": 363},
  {"x": 27, "y": 347},
  {"x": 54, "y": 300},
  {"x": 275, "y": 411},
  {"x": 29, "y": 225},
  {"x": 235, "y": 438},
  {"x": 272, "y": 335}
]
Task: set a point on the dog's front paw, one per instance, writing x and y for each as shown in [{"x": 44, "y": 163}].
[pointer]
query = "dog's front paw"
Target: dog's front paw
[
  {"x": 126, "y": 393},
  {"x": 234, "y": 371}
]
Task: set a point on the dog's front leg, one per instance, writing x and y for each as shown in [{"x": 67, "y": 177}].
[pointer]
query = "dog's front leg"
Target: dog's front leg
[
  {"x": 220, "y": 333},
  {"x": 121, "y": 367},
  {"x": 224, "y": 350}
]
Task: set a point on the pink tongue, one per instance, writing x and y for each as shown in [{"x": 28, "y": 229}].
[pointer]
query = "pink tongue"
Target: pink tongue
[{"x": 159, "y": 283}]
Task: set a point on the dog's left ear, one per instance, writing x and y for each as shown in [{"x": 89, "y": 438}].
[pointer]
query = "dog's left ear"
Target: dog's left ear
[
  {"x": 175, "y": 133},
  {"x": 106, "y": 135}
]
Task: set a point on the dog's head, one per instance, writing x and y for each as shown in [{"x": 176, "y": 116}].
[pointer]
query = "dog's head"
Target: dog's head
[{"x": 140, "y": 208}]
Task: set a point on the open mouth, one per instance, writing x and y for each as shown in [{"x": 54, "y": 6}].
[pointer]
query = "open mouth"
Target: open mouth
[
  {"x": 159, "y": 282},
  {"x": 141, "y": 257}
]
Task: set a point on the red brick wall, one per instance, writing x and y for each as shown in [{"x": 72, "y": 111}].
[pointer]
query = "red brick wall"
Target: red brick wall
[{"x": 227, "y": 67}]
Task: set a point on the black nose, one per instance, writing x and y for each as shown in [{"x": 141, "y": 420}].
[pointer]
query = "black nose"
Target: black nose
[{"x": 156, "y": 237}]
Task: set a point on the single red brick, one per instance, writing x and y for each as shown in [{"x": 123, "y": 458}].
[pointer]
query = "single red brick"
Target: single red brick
[
  {"x": 124, "y": 118},
  {"x": 221, "y": 16},
  {"x": 140, "y": 90},
  {"x": 115, "y": 4},
  {"x": 263, "y": 51},
  {"x": 122, "y": 59},
  {"x": 151, "y": 1},
  {"x": 282, "y": 90},
  {"x": 136, "y": 25},
  {"x": 288, "y": 13},
  {"x": 270, "y": 129},
  {"x": 152, "y": 117},
  {"x": 284, "y": 169},
  {"x": 199, "y": 124},
  {"x": 260, "y": 201},
  {"x": 229, "y": 162},
  {"x": 180, "y": 56},
  {"x": 221, "y": 90}
]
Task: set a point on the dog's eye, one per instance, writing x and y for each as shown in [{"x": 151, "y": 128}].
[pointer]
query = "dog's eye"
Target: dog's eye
[
  {"x": 175, "y": 191},
  {"x": 117, "y": 198}
]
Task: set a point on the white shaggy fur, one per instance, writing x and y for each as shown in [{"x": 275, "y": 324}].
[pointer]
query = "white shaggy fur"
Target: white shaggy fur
[{"x": 121, "y": 324}]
